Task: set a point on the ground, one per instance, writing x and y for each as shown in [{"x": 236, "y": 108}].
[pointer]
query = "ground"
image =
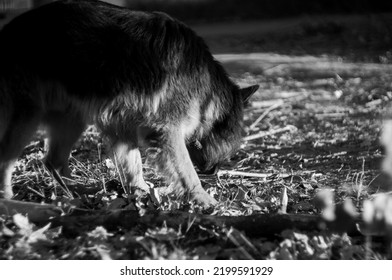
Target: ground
[{"x": 313, "y": 125}]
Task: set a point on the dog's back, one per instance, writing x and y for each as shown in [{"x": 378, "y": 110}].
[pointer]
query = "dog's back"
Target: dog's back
[{"x": 103, "y": 52}]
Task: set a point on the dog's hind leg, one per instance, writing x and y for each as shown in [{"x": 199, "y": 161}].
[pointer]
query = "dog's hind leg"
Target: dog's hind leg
[
  {"x": 15, "y": 136},
  {"x": 15, "y": 131},
  {"x": 64, "y": 129}
]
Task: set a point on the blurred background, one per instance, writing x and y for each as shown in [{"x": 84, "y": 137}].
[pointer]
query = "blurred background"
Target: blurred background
[{"x": 359, "y": 30}]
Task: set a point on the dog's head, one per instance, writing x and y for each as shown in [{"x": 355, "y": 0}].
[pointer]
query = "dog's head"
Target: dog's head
[{"x": 224, "y": 138}]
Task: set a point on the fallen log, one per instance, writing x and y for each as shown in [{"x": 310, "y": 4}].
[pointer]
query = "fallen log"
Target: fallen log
[{"x": 261, "y": 225}]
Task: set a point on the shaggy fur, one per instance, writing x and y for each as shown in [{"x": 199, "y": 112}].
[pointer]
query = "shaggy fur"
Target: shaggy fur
[{"x": 146, "y": 80}]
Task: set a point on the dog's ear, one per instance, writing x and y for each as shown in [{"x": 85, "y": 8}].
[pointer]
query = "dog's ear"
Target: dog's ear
[{"x": 247, "y": 92}]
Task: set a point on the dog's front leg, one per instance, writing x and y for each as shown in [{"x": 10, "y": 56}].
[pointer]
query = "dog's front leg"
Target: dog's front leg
[
  {"x": 170, "y": 155},
  {"x": 130, "y": 165}
]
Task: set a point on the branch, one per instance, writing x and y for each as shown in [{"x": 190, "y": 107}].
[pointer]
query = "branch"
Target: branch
[{"x": 263, "y": 225}]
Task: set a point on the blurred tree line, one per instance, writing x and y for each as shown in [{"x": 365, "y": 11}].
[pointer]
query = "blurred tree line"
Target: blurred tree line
[{"x": 217, "y": 10}]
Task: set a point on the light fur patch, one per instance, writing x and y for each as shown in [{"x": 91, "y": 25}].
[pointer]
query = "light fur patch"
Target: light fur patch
[
  {"x": 192, "y": 121},
  {"x": 157, "y": 99},
  {"x": 212, "y": 112},
  {"x": 133, "y": 104}
]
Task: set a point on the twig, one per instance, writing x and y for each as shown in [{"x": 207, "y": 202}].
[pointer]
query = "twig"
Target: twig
[
  {"x": 57, "y": 177},
  {"x": 264, "y": 104},
  {"x": 36, "y": 192},
  {"x": 297, "y": 96},
  {"x": 120, "y": 174},
  {"x": 279, "y": 66},
  {"x": 231, "y": 235},
  {"x": 284, "y": 201},
  {"x": 373, "y": 103},
  {"x": 268, "y": 133},
  {"x": 331, "y": 115},
  {"x": 274, "y": 106},
  {"x": 250, "y": 174}
]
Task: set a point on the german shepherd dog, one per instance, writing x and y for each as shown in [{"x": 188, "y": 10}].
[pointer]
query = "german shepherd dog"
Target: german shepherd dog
[{"x": 145, "y": 79}]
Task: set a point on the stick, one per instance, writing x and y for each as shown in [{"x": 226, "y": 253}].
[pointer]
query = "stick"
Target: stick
[
  {"x": 331, "y": 115},
  {"x": 56, "y": 176},
  {"x": 272, "y": 132},
  {"x": 297, "y": 96},
  {"x": 274, "y": 106},
  {"x": 250, "y": 174}
]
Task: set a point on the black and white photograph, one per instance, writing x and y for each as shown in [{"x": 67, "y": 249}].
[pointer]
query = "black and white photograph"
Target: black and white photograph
[{"x": 196, "y": 130}]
